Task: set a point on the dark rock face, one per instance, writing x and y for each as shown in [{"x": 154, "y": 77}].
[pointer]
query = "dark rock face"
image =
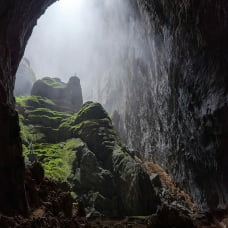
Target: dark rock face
[
  {"x": 50, "y": 203},
  {"x": 170, "y": 217},
  {"x": 68, "y": 97},
  {"x": 17, "y": 22},
  {"x": 173, "y": 105},
  {"x": 12, "y": 195},
  {"x": 25, "y": 78},
  {"x": 192, "y": 111}
]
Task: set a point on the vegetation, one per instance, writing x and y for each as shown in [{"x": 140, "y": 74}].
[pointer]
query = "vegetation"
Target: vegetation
[
  {"x": 44, "y": 130},
  {"x": 33, "y": 102},
  {"x": 53, "y": 82},
  {"x": 84, "y": 150},
  {"x": 39, "y": 123},
  {"x": 56, "y": 158}
]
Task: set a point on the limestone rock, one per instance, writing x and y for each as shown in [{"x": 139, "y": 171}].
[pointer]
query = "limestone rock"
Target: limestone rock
[
  {"x": 106, "y": 167},
  {"x": 25, "y": 79},
  {"x": 67, "y": 96}
]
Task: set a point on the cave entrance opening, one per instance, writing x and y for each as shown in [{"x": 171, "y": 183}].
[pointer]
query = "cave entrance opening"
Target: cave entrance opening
[
  {"x": 90, "y": 39},
  {"x": 98, "y": 41}
]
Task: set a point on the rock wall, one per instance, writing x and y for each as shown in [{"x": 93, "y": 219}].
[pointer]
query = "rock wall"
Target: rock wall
[
  {"x": 173, "y": 103},
  {"x": 189, "y": 48},
  {"x": 17, "y": 21}
]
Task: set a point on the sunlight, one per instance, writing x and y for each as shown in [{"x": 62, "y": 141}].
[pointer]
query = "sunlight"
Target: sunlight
[{"x": 70, "y": 4}]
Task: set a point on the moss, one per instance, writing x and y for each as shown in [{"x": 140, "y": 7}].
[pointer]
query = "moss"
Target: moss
[
  {"x": 39, "y": 102},
  {"x": 30, "y": 134},
  {"x": 53, "y": 82},
  {"x": 57, "y": 158},
  {"x": 45, "y": 121},
  {"x": 91, "y": 110},
  {"x": 51, "y": 135},
  {"x": 39, "y": 121},
  {"x": 44, "y": 130},
  {"x": 48, "y": 112},
  {"x": 32, "y": 102}
]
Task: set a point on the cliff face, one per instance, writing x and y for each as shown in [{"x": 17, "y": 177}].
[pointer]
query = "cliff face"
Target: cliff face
[
  {"x": 17, "y": 22},
  {"x": 173, "y": 105},
  {"x": 25, "y": 78},
  {"x": 189, "y": 57}
]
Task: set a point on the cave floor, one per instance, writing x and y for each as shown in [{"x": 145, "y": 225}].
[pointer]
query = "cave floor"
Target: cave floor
[{"x": 128, "y": 222}]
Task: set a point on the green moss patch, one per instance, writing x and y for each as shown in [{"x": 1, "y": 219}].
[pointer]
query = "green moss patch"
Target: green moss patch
[
  {"x": 57, "y": 158},
  {"x": 53, "y": 82}
]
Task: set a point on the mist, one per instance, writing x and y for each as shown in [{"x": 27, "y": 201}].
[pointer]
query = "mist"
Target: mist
[{"x": 88, "y": 38}]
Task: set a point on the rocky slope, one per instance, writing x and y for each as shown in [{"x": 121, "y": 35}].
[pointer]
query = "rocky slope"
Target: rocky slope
[
  {"x": 84, "y": 150},
  {"x": 25, "y": 78}
]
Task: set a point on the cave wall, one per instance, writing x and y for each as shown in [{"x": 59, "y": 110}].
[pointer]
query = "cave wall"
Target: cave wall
[
  {"x": 189, "y": 49},
  {"x": 172, "y": 107},
  {"x": 17, "y": 19}
]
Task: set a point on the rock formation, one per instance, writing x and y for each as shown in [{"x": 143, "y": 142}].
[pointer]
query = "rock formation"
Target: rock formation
[
  {"x": 25, "y": 78},
  {"x": 107, "y": 177},
  {"x": 84, "y": 150},
  {"x": 67, "y": 97}
]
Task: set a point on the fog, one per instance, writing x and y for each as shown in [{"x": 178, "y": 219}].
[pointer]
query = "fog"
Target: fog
[{"x": 87, "y": 38}]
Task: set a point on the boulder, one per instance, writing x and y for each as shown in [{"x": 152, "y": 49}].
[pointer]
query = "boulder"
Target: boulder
[{"x": 167, "y": 216}]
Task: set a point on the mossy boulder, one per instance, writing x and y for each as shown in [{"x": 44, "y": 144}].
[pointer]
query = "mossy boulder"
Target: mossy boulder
[{"x": 67, "y": 96}]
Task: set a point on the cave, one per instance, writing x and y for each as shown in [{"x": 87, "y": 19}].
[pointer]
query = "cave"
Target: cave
[{"x": 183, "y": 104}]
